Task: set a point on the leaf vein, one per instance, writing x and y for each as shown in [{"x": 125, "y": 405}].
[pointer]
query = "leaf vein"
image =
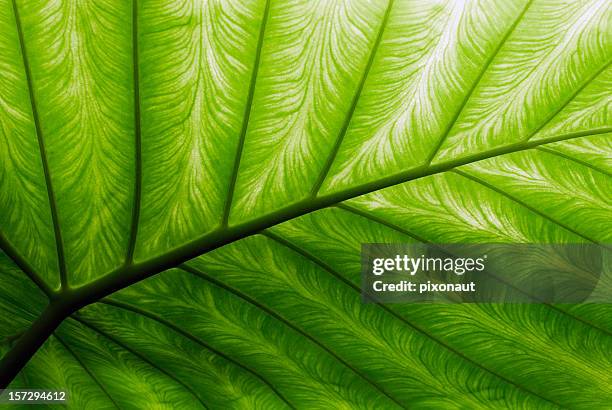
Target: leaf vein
[
  {"x": 358, "y": 212},
  {"x": 481, "y": 74},
  {"x": 247, "y": 114},
  {"x": 523, "y": 204},
  {"x": 43, "y": 154},
  {"x": 415, "y": 327},
  {"x": 127, "y": 275},
  {"x": 86, "y": 369},
  {"x": 336, "y": 147},
  {"x": 576, "y": 160},
  {"x": 577, "y": 91},
  {"x": 193, "y": 338},
  {"x": 142, "y": 358},
  {"x": 25, "y": 266},
  {"x": 137, "y": 139},
  {"x": 286, "y": 322}
]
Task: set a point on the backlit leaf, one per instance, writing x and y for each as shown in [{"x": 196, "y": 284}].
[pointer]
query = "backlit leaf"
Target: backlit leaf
[{"x": 242, "y": 152}]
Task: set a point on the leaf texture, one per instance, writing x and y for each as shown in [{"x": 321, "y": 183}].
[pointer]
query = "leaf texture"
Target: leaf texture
[
  {"x": 26, "y": 217},
  {"x": 86, "y": 125},
  {"x": 195, "y": 58},
  {"x": 271, "y": 139},
  {"x": 590, "y": 109},
  {"x": 421, "y": 76},
  {"x": 527, "y": 72},
  {"x": 313, "y": 59}
]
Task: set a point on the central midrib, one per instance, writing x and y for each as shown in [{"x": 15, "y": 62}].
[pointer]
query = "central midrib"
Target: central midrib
[{"x": 130, "y": 274}]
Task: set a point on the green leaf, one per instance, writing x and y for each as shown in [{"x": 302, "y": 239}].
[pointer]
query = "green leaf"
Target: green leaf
[{"x": 185, "y": 187}]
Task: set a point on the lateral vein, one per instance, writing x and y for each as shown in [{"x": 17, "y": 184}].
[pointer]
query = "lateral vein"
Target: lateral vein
[
  {"x": 568, "y": 100},
  {"x": 86, "y": 369},
  {"x": 270, "y": 312},
  {"x": 481, "y": 74},
  {"x": 523, "y": 204},
  {"x": 381, "y": 221},
  {"x": 193, "y": 338},
  {"x": 142, "y": 358},
  {"x": 25, "y": 266},
  {"x": 347, "y": 121},
  {"x": 245, "y": 121},
  {"x": 575, "y": 160},
  {"x": 410, "y": 324},
  {"x": 43, "y": 154},
  {"x": 137, "y": 139}
]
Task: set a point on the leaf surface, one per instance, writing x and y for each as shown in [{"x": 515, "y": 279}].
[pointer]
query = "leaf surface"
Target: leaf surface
[{"x": 271, "y": 139}]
